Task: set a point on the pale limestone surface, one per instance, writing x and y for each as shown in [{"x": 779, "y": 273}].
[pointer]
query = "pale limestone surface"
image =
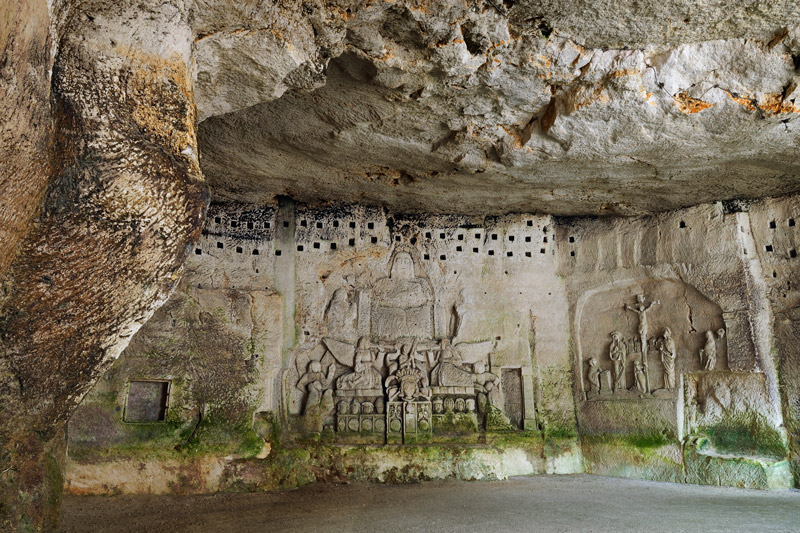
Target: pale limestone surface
[{"x": 442, "y": 108}]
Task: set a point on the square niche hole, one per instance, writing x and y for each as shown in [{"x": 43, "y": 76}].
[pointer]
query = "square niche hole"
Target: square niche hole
[{"x": 147, "y": 401}]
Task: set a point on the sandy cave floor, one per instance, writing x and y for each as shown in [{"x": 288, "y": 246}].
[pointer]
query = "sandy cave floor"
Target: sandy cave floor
[{"x": 540, "y": 503}]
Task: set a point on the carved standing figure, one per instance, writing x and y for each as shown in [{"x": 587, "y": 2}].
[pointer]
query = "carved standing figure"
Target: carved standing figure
[
  {"x": 340, "y": 315},
  {"x": 668, "y": 359},
  {"x": 593, "y": 375},
  {"x": 618, "y": 353},
  {"x": 638, "y": 373},
  {"x": 641, "y": 309},
  {"x": 317, "y": 384},
  {"x": 408, "y": 379},
  {"x": 708, "y": 354},
  {"x": 487, "y": 385}
]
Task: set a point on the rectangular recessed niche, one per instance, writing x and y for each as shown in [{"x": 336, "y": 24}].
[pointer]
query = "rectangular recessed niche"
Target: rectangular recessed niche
[
  {"x": 147, "y": 401},
  {"x": 197, "y": 251},
  {"x": 791, "y": 222},
  {"x": 475, "y": 250},
  {"x": 768, "y": 248},
  {"x": 255, "y": 252},
  {"x": 530, "y": 223},
  {"x": 335, "y": 223},
  {"x": 792, "y": 253},
  {"x": 249, "y": 225},
  {"x": 234, "y": 224},
  {"x": 352, "y": 225},
  {"x": 527, "y": 239},
  {"x": 316, "y": 245},
  {"x": 370, "y": 225},
  {"x": 572, "y": 239},
  {"x": 441, "y": 235},
  {"x": 511, "y": 383},
  {"x": 238, "y": 249},
  {"x": 373, "y": 240},
  {"x": 351, "y": 242},
  {"x": 303, "y": 223},
  {"x": 333, "y": 246},
  {"x": 319, "y": 225},
  {"x": 772, "y": 224},
  {"x": 458, "y": 248},
  {"x": 217, "y": 220},
  {"x": 219, "y": 245},
  {"x": 266, "y": 225}
]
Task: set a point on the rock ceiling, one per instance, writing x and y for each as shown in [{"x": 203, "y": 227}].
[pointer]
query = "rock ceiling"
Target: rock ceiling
[{"x": 587, "y": 107}]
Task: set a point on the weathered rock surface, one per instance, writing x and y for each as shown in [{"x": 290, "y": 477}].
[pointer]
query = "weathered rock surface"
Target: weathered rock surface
[
  {"x": 108, "y": 245},
  {"x": 447, "y": 107},
  {"x": 591, "y": 107}
]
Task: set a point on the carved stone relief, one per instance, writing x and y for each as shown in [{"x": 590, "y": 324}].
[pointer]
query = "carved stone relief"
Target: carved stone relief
[
  {"x": 398, "y": 381},
  {"x": 637, "y": 350}
]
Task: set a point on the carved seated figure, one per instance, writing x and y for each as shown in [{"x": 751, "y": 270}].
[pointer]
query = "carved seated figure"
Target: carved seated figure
[
  {"x": 364, "y": 375},
  {"x": 402, "y": 303},
  {"x": 408, "y": 379},
  {"x": 450, "y": 371}
]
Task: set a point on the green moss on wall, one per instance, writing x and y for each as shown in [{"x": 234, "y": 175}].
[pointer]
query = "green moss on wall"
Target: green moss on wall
[{"x": 747, "y": 434}]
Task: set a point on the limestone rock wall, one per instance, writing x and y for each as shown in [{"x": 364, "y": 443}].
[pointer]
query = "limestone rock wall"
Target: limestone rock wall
[
  {"x": 86, "y": 261},
  {"x": 269, "y": 291},
  {"x": 693, "y": 279},
  {"x": 774, "y": 226},
  {"x": 290, "y": 315}
]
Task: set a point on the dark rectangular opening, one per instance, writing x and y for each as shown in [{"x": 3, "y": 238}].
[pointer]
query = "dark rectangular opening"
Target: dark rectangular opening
[
  {"x": 511, "y": 383},
  {"x": 147, "y": 401}
]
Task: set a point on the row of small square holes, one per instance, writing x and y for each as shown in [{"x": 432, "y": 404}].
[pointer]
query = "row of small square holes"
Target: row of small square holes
[
  {"x": 774, "y": 225},
  {"x": 235, "y": 223},
  {"x": 769, "y": 248},
  {"x": 333, "y": 246}
]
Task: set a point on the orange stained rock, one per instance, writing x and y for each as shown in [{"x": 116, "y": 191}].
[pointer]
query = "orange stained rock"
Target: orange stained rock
[
  {"x": 774, "y": 104},
  {"x": 690, "y": 105},
  {"x": 585, "y": 96}
]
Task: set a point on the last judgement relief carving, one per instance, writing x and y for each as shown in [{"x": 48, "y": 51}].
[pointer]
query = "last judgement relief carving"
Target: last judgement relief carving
[
  {"x": 380, "y": 374},
  {"x": 662, "y": 330}
]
